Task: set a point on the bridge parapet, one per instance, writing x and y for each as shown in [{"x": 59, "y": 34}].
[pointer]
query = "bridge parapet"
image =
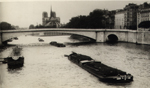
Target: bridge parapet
[{"x": 68, "y": 29}]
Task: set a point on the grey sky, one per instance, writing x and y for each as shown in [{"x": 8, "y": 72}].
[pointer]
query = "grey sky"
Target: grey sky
[{"x": 24, "y": 13}]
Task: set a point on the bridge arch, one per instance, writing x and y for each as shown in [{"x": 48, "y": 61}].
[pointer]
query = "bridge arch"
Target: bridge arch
[
  {"x": 86, "y": 34},
  {"x": 82, "y": 37},
  {"x": 112, "y": 38},
  {"x": 120, "y": 36}
]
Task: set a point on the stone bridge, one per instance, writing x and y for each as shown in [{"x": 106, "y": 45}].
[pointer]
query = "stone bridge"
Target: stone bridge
[{"x": 100, "y": 35}]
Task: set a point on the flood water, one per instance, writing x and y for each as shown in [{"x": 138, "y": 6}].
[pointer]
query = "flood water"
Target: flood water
[{"x": 46, "y": 67}]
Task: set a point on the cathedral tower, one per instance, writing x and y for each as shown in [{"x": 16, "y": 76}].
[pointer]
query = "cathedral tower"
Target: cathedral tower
[
  {"x": 44, "y": 17},
  {"x": 52, "y": 21}
]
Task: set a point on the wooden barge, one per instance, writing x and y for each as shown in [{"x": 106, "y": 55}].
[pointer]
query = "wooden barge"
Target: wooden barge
[
  {"x": 15, "y": 59},
  {"x": 103, "y": 72}
]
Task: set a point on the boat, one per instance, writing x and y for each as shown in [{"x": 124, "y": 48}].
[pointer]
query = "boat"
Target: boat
[
  {"x": 54, "y": 43},
  {"x": 15, "y": 38},
  {"x": 101, "y": 71},
  {"x": 15, "y": 59},
  {"x": 40, "y": 40},
  {"x": 3, "y": 60},
  {"x": 9, "y": 40},
  {"x": 15, "y": 63}
]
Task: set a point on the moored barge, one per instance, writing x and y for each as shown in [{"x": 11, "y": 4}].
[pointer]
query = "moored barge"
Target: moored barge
[
  {"x": 16, "y": 59},
  {"x": 12, "y": 63},
  {"x": 54, "y": 43},
  {"x": 103, "y": 72}
]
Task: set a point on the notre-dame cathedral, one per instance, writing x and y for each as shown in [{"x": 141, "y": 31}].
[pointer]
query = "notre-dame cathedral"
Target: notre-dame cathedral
[{"x": 52, "y": 21}]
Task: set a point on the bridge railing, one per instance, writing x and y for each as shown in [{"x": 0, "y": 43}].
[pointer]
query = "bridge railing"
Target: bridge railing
[{"x": 64, "y": 29}]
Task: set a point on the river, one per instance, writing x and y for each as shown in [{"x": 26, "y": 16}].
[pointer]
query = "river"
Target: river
[{"x": 46, "y": 67}]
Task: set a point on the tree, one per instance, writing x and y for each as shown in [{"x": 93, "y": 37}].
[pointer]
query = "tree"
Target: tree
[
  {"x": 96, "y": 19},
  {"x": 5, "y": 26},
  {"x": 31, "y": 26}
]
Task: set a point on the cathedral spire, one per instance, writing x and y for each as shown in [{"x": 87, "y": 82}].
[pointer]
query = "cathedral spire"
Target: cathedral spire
[{"x": 51, "y": 12}]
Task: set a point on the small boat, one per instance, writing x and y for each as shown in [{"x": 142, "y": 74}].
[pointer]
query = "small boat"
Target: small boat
[
  {"x": 15, "y": 38},
  {"x": 60, "y": 45},
  {"x": 40, "y": 40},
  {"x": 103, "y": 72},
  {"x": 54, "y": 43}
]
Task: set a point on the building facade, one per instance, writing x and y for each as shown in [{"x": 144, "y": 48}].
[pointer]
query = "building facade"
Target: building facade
[
  {"x": 143, "y": 14},
  {"x": 119, "y": 20},
  {"x": 131, "y": 16},
  {"x": 52, "y": 21},
  {"x": 128, "y": 15}
]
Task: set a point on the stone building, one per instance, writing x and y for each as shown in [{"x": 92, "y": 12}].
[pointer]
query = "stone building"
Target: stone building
[
  {"x": 143, "y": 13},
  {"x": 119, "y": 19},
  {"x": 131, "y": 16},
  {"x": 52, "y": 21},
  {"x": 128, "y": 15}
]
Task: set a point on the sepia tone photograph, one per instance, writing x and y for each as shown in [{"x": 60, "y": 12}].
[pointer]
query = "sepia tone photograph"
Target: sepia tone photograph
[{"x": 74, "y": 44}]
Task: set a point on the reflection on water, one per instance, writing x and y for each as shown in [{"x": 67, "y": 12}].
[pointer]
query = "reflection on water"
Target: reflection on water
[
  {"x": 34, "y": 40},
  {"x": 46, "y": 67},
  {"x": 14, "y": 71}
]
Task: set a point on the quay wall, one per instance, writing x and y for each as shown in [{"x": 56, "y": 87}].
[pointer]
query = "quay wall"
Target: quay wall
[
  {"x": 143, "y": 37},
  {"x": 132, "y": 37},
  {"x": 138, "y": 37}
]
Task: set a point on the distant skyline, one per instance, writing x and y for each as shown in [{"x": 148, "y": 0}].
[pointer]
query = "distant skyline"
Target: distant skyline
[{"x": 24, "y": 13}]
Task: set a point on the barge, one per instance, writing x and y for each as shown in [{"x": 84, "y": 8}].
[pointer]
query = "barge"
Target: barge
[
  {"x": 12, "y": 63},
  {"x": 15, "y": 60},
  {"x": 54, "y": 43},
  {"x": 101, "y": 71}
]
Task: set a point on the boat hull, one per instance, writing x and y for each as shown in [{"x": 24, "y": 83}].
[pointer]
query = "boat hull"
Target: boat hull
[
  {"x": 101, "y": 71},
  {"x": 15, "y": 63},
  {"x": 57, "y": 44}
]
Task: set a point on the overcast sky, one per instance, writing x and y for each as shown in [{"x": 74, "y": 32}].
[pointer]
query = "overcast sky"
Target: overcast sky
[{"x": 24, "y": 13}]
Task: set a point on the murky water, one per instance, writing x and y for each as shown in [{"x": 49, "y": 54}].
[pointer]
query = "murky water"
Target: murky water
[{"x": 46, "y": 67}]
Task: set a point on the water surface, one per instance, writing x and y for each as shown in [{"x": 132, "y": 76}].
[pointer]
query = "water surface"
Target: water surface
[{"x": 46, "y": 67}]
